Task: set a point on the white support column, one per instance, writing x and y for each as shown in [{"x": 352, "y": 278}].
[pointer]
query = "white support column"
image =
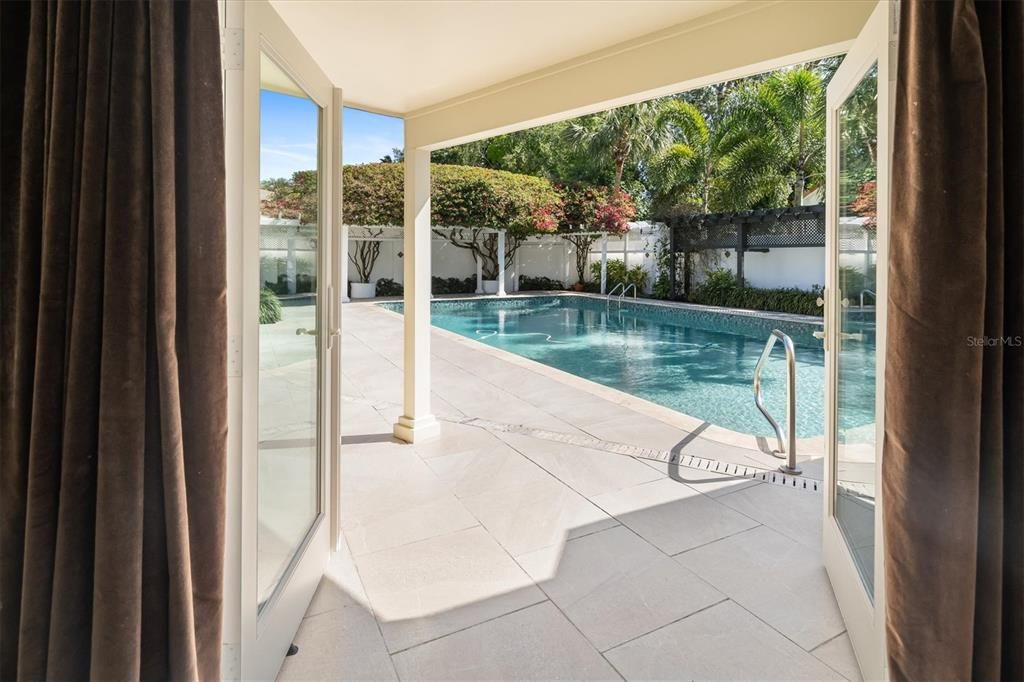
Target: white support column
[
  {"x": 343, "y": 257},
  {"x": 501, "y": 263},
  {"x": 291, "y": 266},
  {"x": 417, "y": 423},
  {"x": 625, "y": 250},
  {"x": 604, "y": 264},
  {"x": 479, "y": 273},
  {"x": 515, "y": 270}
]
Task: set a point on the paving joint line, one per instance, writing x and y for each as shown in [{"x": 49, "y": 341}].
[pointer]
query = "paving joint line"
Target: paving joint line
[{"x": 664, "y": 456}]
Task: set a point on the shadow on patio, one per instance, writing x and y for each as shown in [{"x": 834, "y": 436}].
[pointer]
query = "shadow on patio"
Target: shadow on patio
[{"x": 524, "y": 554}]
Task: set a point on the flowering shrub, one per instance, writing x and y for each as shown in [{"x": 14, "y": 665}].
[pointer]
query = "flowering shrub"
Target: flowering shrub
[
  {"x": 294, "y": 198},
  {"x": 545, "y": 219},
  {"x": 612, "y": 214},
  {"x": 587, "y": 209},
  {"x": 865, "y": 204}
]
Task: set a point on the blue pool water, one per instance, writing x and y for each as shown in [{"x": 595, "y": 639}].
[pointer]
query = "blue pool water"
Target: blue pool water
[{"x": 696, "y": 362}]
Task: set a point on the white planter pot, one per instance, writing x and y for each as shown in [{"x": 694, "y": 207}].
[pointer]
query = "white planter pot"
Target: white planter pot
[
  {"x": 363, "y": 290},
  {"x": 490, "y": 286}
]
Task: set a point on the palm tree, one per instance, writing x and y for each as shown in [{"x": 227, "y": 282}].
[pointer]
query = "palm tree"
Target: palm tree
[
  {"x": 715, "y": 165},
  {"x": 788, "y": 111},
  {"x": 624, "y": 135}
]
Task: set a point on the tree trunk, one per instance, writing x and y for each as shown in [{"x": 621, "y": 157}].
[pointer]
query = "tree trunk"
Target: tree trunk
[
  {"x": 620, "y": 165},
  {"x": 798, "y": 189}
]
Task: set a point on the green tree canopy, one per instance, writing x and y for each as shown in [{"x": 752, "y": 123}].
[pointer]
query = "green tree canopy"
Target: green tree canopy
[{"x": 460, "y": 196}]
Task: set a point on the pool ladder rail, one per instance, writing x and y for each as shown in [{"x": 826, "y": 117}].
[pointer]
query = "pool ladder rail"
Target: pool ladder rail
[
  {"x": 625, "y": 290},
  {"x": 787, "y": 444}
]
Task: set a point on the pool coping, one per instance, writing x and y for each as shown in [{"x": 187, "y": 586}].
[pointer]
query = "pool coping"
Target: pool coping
[
  {"x": 807, "y": 448},
  {"x": 675, "y": 305}
]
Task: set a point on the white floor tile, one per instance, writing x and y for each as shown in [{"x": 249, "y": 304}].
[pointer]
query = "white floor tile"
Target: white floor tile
[
  {"x": 672, "y": 516},
  {"x": 341, "y": 644},
  {"x": 434, "y": 587},
  {"x": 838, "y": 655},
  {"x": 615, "y": 586},
  {"x": 537, "y": 515},
  {"x": 780, "y": 581},
  {"x": 537, "y": 643},
  {"x": 438, "y": 516},
  {"x": 588, "y": 472},
  {"x": 794, "y": 513},
  {"x": 723, "y": 642}
]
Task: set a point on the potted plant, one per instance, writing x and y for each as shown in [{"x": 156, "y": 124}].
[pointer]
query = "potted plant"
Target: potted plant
[{"x": 363, "y": 257}]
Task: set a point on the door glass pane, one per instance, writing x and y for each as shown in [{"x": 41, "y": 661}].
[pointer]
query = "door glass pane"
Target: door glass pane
[
  {"x": 289, "y": 390},
  {"x": 855, "y": 357}
]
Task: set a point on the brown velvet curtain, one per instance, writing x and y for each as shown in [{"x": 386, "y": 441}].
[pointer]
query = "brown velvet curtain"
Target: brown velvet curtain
[
  {"x": 113, "y": 379},
  {"x": 953, "y": 470}
]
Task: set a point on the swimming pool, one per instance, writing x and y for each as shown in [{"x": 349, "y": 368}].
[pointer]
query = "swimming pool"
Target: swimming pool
[{"x": 697, "y": 362}]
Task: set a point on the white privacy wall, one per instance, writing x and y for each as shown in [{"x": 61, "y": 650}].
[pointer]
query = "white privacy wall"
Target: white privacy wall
[
  {"x": 801, "y": 267},
  {"x": 553, "y": 257}
]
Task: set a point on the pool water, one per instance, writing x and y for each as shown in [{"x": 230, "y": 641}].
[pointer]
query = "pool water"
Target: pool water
[{"x": 697, "y": 362}]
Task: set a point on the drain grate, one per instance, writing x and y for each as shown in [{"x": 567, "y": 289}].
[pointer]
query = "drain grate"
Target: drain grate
[{"x": 667, "y": 456}]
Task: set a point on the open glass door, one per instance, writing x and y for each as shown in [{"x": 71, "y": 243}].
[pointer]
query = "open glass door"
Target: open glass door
[
  {"x": 857, "y": 192},
  {"x": 287, "y": 317}
]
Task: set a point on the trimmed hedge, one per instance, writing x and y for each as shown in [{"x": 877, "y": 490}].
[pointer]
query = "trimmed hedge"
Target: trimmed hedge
[
  {"x": 452, "y": 285},
  {"x": 388, "y": 287},
  {"x": 539, "y": 284},
  {"x": 720, "y": 288},
  {"x": 460, "y": 196}
]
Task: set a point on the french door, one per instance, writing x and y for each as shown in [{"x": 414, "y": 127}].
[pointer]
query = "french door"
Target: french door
[
  {"x": 281, "y": 286},
  {"x": 859, "y": 124}
]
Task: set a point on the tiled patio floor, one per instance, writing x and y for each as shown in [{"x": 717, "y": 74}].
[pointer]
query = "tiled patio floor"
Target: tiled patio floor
[{"x": 499, "y": 555}]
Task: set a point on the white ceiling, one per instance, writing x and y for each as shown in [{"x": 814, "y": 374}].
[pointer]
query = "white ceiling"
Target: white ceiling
[{"x": 399, "y": 56}]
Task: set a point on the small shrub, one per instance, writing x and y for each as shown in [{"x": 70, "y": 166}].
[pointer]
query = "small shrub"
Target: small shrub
[
  {"x": 452, "y": 285},
  {"x": 720, "y": 288},
  {"x": 539, "y": 284},
  {"x": 617, "y": 274},
  {"x": 388, "y": 287},
  {"x": 270, "y": 307},
  {"x": 663, "y": 287},
  {"x": 304, "y": 284}
]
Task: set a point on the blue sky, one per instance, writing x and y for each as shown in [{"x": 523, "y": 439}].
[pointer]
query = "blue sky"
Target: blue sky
[
  {"x": 367, "y": 137},
  {"x": 288, "y": 135}
]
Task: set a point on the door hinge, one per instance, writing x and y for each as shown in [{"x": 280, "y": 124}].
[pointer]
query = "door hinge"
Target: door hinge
[{"x": 232, "y": 48}]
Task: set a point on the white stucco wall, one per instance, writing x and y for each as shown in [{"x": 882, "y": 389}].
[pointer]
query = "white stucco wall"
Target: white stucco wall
[{"x": 552, "y": 257}]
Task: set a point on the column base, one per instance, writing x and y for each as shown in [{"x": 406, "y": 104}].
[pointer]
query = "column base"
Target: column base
[{"x": 417, "y": 430}]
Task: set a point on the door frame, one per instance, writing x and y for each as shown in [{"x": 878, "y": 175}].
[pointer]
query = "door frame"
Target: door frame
[
  {"x": 864, "y": 616},
  {"x": 255, "y": 643}
]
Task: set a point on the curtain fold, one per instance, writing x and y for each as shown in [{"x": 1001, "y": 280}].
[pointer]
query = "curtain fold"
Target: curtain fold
[
  {"x": 114, "y": 335},
  {"x": 953, "y": 467}
]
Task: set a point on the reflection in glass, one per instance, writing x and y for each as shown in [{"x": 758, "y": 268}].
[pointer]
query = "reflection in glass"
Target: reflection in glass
[
  {"x": 855, "y": 356},
  {"x": 289, "y": 391}
]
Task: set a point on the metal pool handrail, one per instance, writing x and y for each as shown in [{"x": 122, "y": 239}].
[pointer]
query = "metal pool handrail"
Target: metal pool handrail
[
  {"x": 786, "y": 444},
  {"x": 608, "y": 296},
  {"x": 625, "y": 290}
]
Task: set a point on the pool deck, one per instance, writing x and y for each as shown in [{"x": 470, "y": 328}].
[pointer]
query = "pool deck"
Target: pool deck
[{"x": 555, "y": 531}]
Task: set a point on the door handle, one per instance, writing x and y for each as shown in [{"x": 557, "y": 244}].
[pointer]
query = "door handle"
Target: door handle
[
  {"x": 819, "y": 335},
  {"x": 302, "y": 330}
]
